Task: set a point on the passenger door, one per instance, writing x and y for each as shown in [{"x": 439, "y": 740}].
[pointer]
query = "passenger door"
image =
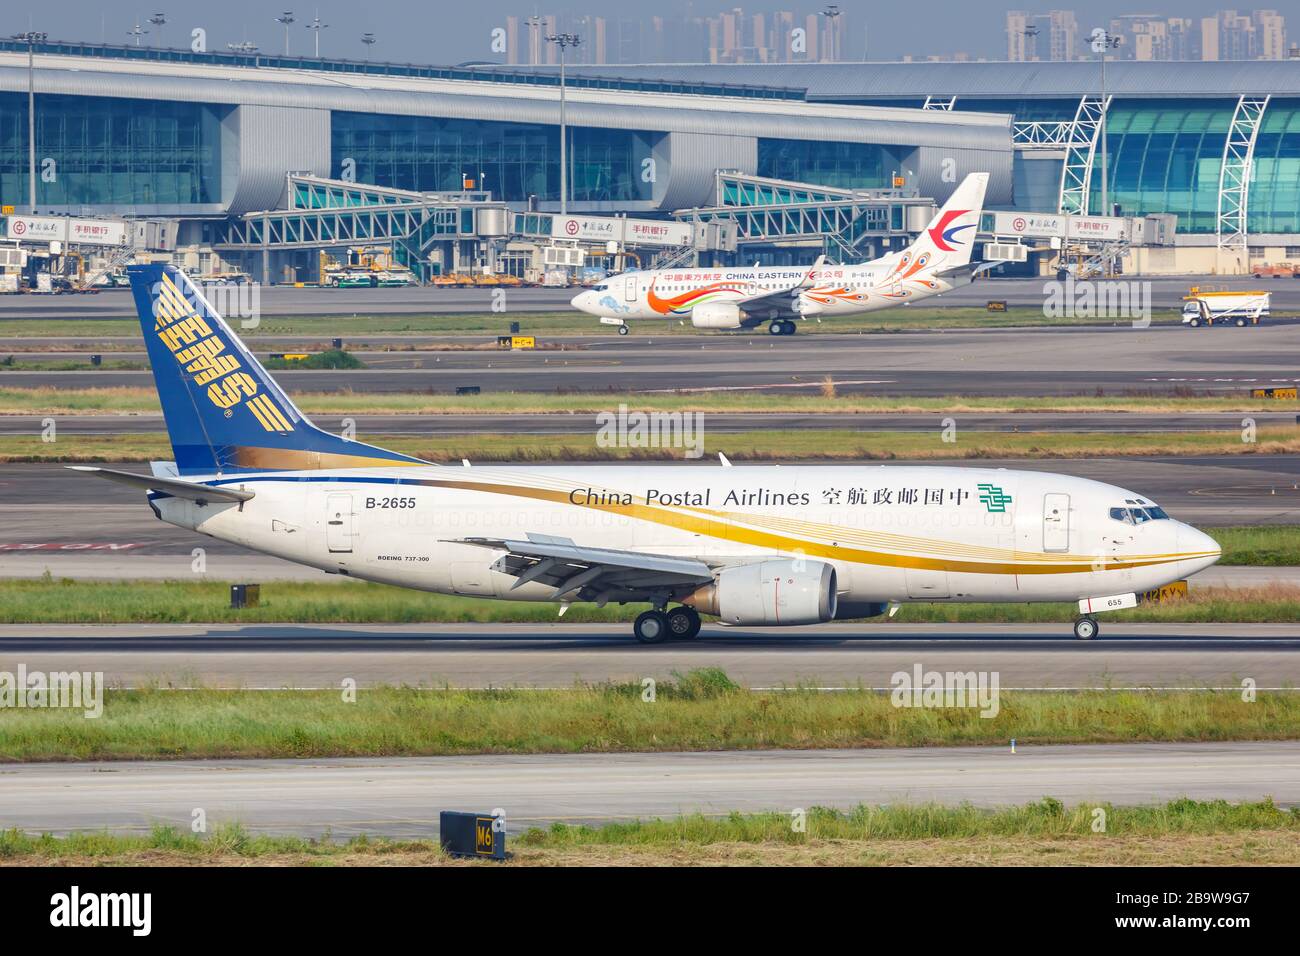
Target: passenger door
[
  {"x": 340, "y": 524},
  {"x": 1056, "y": 522},
  {"x": 629, "y": 289}
]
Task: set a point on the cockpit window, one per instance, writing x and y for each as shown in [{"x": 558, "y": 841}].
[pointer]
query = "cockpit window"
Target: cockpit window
[
  {"x": 599, "y": 288},
  {"x": 1136, "y": 515}
]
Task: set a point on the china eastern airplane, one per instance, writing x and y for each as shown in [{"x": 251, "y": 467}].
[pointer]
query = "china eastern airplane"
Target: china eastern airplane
[
  {"x": 758, "y": 545},
  {"x": 938, "y": 261}
]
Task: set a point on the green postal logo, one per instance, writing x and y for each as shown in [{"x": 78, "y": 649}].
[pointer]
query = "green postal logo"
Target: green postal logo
[{"x": 993, "y": 498}]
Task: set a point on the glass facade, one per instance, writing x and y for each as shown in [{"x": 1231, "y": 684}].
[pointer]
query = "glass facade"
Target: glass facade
[
  {"x": 94, "y": 150},
  {"x": 1275, "y": 191},
  {"x": 1165, "y": 157},
  {"x": 843, "y": 165},
  {"x": 515, "y": 160}
]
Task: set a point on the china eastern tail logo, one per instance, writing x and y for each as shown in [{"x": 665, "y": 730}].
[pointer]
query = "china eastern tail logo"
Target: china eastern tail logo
[
  {"x": 943, "y": 232},
  {"x": 994, "y": 498}
]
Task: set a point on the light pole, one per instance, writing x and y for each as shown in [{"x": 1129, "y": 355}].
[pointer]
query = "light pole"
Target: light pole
[
  {"x": 158, "y": 20},
  {"x": 137, "y": 31},
  {"x": 1102, "y": 43},
  {"x": 534, "y": 47},
  {"x": 284, "y": 20},
  {"x": 316, "y": 27},
  {"x": 31, "y": 39},
  {"x": 564, "y": 41},
  {"x": 832, "y": 14},
  {"x": 369, "y": 40}
]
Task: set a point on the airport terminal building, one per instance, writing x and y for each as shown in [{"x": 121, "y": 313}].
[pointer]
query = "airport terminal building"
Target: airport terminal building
[{"x": 277, "y": 157}]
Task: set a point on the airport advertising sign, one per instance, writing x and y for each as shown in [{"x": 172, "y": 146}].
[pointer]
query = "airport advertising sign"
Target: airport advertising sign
[
  {"x": 1096, "y": 228},
  {"x": 644, "y": 232},
  {"x": 37, "y": 228},
  {"x": 86, "y": 232},
  {"x": 1031, "y": 225}
]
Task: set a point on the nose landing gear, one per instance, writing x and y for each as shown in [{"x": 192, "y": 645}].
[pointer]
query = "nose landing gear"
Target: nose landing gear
[{"x": 1086, "y": 628}]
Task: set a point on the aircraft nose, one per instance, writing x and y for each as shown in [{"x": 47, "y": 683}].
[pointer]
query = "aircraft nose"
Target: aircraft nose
[
  {"x": 1195, "y": 542},
  {"x": 580, "y": 300}
]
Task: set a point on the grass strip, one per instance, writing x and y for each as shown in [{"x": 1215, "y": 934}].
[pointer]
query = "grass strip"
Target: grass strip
[
  {"x": 842, "y": 445},
  {"x": 1046, "y": 832},
  {"x": 821, "y": 398},
  {"x": 702, "y": 710},
  {"x": 66, "y": 601}
]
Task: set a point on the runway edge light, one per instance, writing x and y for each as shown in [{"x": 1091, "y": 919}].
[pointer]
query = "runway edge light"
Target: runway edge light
[{"x": 471, "y": 835}]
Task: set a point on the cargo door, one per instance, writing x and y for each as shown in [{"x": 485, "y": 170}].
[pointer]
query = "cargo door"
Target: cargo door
[
  {"x": 924, "y": 584},
  {"x": 1056, "y": 522},
  {"x": 340, "y": 524}
]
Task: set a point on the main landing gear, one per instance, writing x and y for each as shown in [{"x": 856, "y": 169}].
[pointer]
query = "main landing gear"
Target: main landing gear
[
  {"x": 656, "y": 627},
  {"x": 1085, "y": 628},
  {"x": 781, "y": 327}
]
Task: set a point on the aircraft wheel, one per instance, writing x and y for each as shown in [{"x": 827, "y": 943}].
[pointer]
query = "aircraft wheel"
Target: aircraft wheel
[
  {"x": 651, "y": 627},
  {"x": 683, "y": 623},
  {"x": 788, "y": 328},
  {"x": 622, "y": 330},
  {"x": 776, "y": 328},
  {"x": 1085, "y": 628}
]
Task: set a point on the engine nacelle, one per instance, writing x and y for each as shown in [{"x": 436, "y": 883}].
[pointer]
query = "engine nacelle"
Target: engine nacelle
[
  {"x": 770, "y": 593},
  {"x": 716, "y": 315}
]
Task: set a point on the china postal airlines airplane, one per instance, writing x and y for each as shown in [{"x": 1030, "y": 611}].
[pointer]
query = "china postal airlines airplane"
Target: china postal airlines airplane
[
  {"x": 755, "y": 546},
  {"x": 939, "y": 260}
]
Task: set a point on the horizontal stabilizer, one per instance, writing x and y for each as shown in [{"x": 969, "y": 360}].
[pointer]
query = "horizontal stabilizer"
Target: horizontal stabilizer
[{"x": 172, "y": 486}]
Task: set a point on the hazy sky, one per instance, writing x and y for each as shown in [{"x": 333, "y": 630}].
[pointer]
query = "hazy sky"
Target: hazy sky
[{"x": 435, "y": 31}]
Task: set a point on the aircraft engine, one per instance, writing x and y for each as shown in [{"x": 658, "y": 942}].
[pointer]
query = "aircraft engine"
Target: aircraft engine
[
  {"x": 716, "y": 315},
  {"x": 770, "y": 593}
]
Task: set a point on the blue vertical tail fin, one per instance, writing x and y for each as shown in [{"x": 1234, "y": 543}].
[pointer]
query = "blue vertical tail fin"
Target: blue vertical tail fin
[{"x": 224, "y": 413}]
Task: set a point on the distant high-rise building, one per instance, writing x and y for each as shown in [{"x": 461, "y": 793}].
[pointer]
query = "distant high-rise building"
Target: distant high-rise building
[
  {"x": 1042, "y": 36},
  {"x": 1229, "y": 35},
  {"x": 1149, "y": 37}
]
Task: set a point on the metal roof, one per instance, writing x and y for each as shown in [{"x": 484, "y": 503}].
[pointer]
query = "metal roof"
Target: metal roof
[
  {"x": 866, "y": 81},
  {"x": 638, "y": 109}
]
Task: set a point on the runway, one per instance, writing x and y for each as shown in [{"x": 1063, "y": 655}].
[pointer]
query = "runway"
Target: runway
[
  {"x": 840, "y": 655},
  {"x": 1031, "y": 361},
  {"x": 1166, "y": 293},
  {"x": 401, "y": 797},
  {"x": 564, "y": 423}
]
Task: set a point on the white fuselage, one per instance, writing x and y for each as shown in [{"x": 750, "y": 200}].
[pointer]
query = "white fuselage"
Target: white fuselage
[
  {"x": 825, "y": 291},
  {"x": 893, "y": 533}
]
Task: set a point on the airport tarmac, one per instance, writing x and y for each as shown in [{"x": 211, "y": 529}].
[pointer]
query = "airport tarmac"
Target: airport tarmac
[
  {"x": 564, "y": 423},
  {"x": 837, "y": 655},
  {"x": 48, "y": 512},
  {"x": 1166, "y": 292},
  {"x": 401, "y": 797},
  {"x": 1034, "y": 361}
]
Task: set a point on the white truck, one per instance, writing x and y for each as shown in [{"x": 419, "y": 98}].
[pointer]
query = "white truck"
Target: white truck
[{"x": 1224, "y": 306}]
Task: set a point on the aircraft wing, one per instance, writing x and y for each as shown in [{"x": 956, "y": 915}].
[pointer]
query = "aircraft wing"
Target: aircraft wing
[
  {"x": 781, "y": 302},
  {"x": 601, "y": 574}
]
